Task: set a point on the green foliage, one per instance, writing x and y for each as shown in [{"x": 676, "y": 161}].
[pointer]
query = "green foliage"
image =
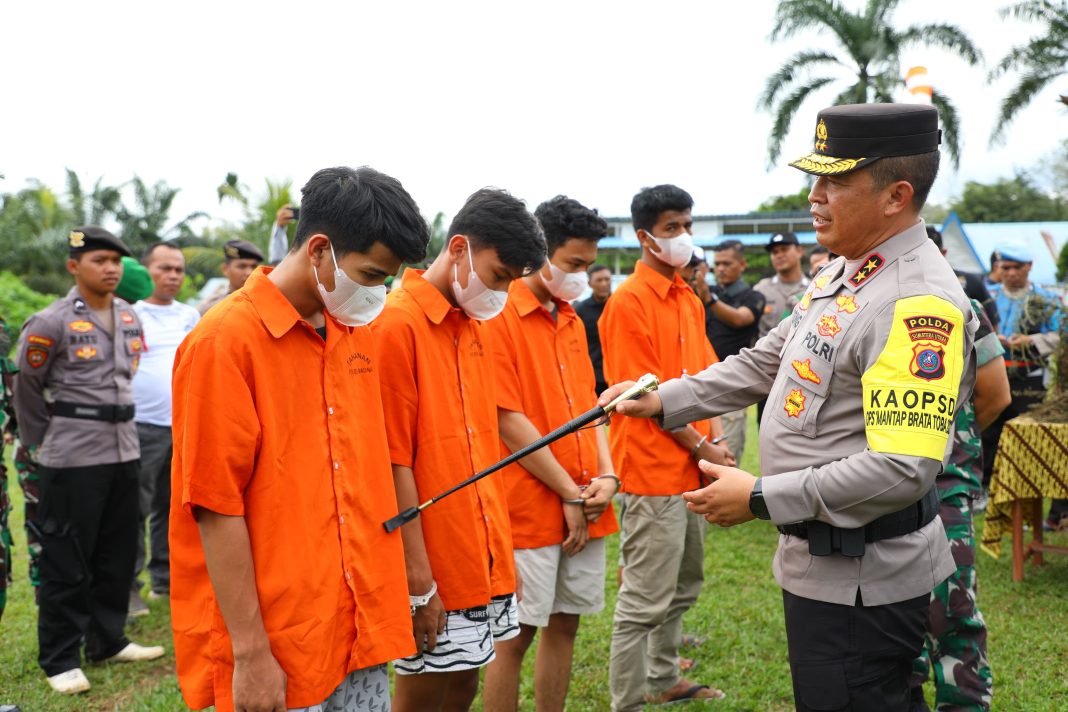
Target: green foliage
[
  {"x": 783, "y": 203},
  {"x": 18, "y": 301},
  {"x": 1015, "y": 199},
  {"x": 865, "y": 53},
  {"x": 1038, "y": 63},
  {"x": 259, "y": 218}
]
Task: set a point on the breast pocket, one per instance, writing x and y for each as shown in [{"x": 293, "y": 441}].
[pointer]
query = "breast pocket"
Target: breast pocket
[{"x": 798, "y": 407}]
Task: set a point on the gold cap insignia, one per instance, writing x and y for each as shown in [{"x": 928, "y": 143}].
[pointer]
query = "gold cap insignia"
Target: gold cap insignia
[
  {"x": 821, "y": 131},
  {"x": 76, "y": 239},
  {"x": 231, "y": 252}
]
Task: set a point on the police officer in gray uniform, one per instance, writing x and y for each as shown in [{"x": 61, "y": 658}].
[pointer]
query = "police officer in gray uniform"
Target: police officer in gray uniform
[
  {"x": 863, "y": 381},
  {"x": 75, "y": 410}
]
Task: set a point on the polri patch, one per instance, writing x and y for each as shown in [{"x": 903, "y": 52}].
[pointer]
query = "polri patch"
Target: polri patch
[
  {"x": 36, "y": 356},
  {"x": 40, "y": 340},
  {"x": 794, "y": 403},
  {"x": 81, "y": 327},
  {"x": 828, "y": 326},
  {"x": 86, "y": 352},
  {"x": 127, "y": 318},
  {"x": 928, "y": 362},
  {"x": 846, "y": 303},
  {"x": 872, "y": 264},
  {"x": 929, "y": 328},
  {"x": 804, "y": 371}
]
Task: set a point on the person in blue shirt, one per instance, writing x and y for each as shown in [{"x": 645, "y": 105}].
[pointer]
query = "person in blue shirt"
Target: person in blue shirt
[{"x": 1029, "y": 319}]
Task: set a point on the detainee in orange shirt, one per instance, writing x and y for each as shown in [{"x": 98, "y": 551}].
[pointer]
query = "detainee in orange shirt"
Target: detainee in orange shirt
[
  {"x": 286, "y": 592},
  {"x": 559, "y": 498},
  {"x": 654, "y": 323},
  {"x": 441, "y": 420}
]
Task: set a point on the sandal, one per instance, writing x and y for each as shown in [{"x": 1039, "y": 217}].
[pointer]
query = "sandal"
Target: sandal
[{"x": 688, "y": 693}]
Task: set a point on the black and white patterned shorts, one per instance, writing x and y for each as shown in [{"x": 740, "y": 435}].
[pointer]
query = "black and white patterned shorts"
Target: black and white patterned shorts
[{"x": 467, "y": 642}]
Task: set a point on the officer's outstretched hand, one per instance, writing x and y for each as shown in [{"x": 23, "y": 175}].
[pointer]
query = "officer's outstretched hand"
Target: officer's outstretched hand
[
  {"x": 647, "y": 406},
  {"x": 726, "y": 501}
]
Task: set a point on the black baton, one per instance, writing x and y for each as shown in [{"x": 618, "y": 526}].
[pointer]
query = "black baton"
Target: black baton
[{"x": 643, "y": 385}]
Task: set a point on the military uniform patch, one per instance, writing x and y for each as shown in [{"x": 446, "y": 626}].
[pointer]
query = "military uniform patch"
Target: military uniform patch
[
  {"x": 86, "y": 352},
  {"x": 872, "y": 264},
  {"x": 81, "y": 327},
  {"x": 40, "y": 340},
  {"x": 794, "y": 403},
  {"x": 846, "y": 303},
  {"x": 828, "y": 325},
  {"x": 231, "y": 252},
  {"x": 821, "y": 282},
  {"x": 76, "y": 239},
  {"x": 36, "y": 356},
  {"x": 136, "y": 345},
  {"x": 127, "y": 318},
  {"x": 805, "y": 301}
]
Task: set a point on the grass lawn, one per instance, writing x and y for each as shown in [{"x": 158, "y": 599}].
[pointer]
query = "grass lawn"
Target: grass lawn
[{"x": 739, "y": 613}]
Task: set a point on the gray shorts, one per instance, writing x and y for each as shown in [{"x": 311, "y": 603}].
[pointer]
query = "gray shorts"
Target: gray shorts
[{"x": 365, "y": 690}]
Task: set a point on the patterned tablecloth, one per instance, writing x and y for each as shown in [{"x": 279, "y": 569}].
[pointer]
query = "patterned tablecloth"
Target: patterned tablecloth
[{"x": 1031, "y": 462}]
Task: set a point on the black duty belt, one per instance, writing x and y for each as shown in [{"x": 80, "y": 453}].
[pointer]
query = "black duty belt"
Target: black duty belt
[
  {"x": 107, "y": 413},
  {"x": 825, "y": 539}
]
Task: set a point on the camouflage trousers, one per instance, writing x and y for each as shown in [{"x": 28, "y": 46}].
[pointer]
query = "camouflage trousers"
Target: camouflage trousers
[
  {"x": 31, "y": 492},
  {"x": 5, "y": 534},
  {"x": 956, "y": 631}
]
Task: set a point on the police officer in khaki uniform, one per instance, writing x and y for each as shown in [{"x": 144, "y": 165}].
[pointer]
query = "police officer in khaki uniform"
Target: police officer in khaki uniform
[
  {"x": 863, "y": 381},
  {"x": 241, "y": 258},
  {"x": 75, "y": 410}
]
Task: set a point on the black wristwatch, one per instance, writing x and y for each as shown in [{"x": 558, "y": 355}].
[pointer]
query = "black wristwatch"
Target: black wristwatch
[
  {"x": 757, "y": 505},
  {"x": 712, "y": 297}
]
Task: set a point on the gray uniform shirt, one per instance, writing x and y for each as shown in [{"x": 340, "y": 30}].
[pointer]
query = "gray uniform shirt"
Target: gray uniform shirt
[
  {"x": 863, "y": 383},
  {"x": 66, "y": 354},
  {"x": 780, "y": 299}
]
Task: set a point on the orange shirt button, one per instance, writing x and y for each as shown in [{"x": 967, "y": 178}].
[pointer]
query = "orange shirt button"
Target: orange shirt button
[
  {"x": 337, "y": 464},
  {"x": 341, "y": 519},
  {"x": 330, "y": 410}
]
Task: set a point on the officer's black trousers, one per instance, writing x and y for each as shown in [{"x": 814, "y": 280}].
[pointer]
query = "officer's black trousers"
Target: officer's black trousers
[
  {"x": 87, "y": 518},
  {"x": 853, "y": 658}
]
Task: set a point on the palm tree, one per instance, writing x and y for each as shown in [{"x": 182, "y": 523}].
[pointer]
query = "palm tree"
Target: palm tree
[
  {"x": 867, "y": 58},
  {"x": 145, "y": 222},
  {"x": 1039, "y": 62},
  {"x": 94, "y": 207}
]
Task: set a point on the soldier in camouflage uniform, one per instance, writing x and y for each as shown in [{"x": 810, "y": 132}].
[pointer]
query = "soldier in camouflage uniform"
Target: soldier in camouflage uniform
[
  {"x": 7, "y": 372},
  {"x": 956, "y": 631}
]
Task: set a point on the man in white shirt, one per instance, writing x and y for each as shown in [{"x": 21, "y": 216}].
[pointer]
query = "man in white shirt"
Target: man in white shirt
[{"x": 166, "y": 323}]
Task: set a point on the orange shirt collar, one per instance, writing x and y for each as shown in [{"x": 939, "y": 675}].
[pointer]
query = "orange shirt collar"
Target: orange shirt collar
[
  {"x": 658, "y": 282},
  {"x": 426, "y": 295},
  {"x": 277, "y": 313},
  {"x": 522, "y": 296}
]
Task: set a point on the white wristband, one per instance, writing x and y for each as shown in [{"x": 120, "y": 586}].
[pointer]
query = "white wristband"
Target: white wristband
[{"x": 421, "y": 601}]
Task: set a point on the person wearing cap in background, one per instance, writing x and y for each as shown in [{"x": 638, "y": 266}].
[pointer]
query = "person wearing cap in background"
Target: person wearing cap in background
[
  {"x": 993, "y": 275},
  {"x": 818, "y": 257},
  {"x": 849, "y": 477},
  {"x": 973, "y": 284},
  {"x": 136, "y": 283},
  {"x": 241, "y": 258},
  {"x": 732, "y": 320},
  {"x": 84, "y": 349},
  {"x": 1029, "y": 319},
  {"x": 783, "y": 290}
]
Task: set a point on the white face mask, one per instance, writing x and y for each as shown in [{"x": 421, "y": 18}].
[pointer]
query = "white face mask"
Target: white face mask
[
  {"x": 564, "y": 285},
  {"x": 351, "y": 303},
  {"x": 675, "y": 251},
  {"x": 478, "y": 301}
]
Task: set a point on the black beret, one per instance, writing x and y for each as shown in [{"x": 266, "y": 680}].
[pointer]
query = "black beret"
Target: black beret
[
  {"x": 855, "y": 135},
  {"x": 92, "y": 237},
  {"x": 242, "y": 250}
]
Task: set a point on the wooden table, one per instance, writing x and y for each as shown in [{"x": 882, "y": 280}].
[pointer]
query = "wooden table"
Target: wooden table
[{"x": 1031, "y": 463}]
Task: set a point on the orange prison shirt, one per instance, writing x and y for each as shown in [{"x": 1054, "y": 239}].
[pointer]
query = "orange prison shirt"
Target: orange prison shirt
[
  {"x": 441, "y": 421},
  {"x": 656, "y": 325},
  {"x": 543, "y": 370},
  {"x": 272, "y": 424}
]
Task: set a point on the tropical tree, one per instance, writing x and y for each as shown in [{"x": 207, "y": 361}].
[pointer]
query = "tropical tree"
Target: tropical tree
[
  {"x": 864, "y": 55},
  {"x": 95, "y": 207},
  {"x": 1039, "y": 62},
  {"x": 259, "y": 218},
  {"x": 144, "y": 220}
]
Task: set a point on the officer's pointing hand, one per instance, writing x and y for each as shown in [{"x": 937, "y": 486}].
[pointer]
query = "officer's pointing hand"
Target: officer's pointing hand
[
  {"x": 647, "y": 406},
  {"x": 726, "y": 501}
]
